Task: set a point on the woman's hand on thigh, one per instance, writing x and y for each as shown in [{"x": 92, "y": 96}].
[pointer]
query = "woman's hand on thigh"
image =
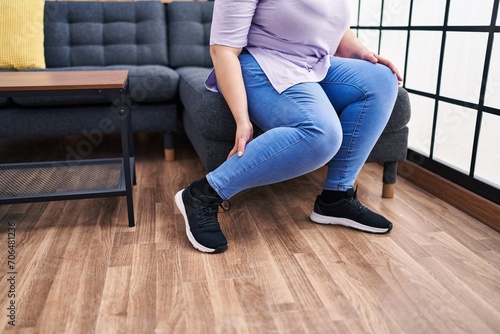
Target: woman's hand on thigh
[{"x": 244, "y": 134}]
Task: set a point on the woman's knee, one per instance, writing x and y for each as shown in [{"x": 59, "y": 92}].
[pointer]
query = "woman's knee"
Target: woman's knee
[
  {"x": 383, "y": 82},
  {"x": 326, "y": 140}
]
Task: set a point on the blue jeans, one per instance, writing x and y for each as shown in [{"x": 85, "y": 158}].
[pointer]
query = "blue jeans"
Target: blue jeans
[{"x": 336, "y": 122}]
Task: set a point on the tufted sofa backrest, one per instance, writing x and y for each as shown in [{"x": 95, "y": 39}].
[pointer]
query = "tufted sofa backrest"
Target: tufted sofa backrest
[
  {"x": 105, "y": 33},
  {"x": 189, "y": 26}
]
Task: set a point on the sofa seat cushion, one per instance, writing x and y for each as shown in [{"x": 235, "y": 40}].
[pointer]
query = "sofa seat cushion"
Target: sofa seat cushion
[
  {"x": 401, "y": 113},
  {"x": 214, "y": 120},
  {"x": 147, "y": 84},
  {"x": 208, "y": 110}
]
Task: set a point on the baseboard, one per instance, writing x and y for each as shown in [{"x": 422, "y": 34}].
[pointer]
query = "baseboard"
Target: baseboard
[{"x": 474, "y": 205}]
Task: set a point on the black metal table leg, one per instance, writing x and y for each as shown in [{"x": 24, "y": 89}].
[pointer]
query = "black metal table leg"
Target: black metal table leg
[
  {"x": 127, "y": 169},
  {"x": 122, "y": 103}
]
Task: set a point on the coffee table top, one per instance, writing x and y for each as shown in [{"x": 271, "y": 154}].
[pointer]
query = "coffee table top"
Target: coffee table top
[{"x": 62, "y": 80}]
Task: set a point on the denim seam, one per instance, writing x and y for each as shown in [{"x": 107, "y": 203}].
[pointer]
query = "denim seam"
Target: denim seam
[{"x": 344, "y": 169}]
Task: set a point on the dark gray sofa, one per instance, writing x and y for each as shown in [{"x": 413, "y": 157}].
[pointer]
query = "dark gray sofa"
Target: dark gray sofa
[
  {"x": 101, "y": 36},
  {"x": 207, "y": 119},
  {"x": 165, "y": 47}
]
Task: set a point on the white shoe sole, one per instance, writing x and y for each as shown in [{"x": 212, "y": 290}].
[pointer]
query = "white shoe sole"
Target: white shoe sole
[
  {"x": 180, "y": 204},
  {"x": 327, "y": 220}
]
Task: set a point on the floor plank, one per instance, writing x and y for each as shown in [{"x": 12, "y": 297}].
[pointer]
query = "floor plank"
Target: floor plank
[{"x": 81, "y": 269}]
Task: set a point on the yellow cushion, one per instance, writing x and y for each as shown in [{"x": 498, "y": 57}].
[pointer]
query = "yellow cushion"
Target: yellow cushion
[{"x": 21, "y": 34}]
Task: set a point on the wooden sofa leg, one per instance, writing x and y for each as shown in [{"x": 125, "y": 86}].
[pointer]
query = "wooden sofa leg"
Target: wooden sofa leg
[
  {"x": 389, "y": 179},
  {"x": 169, "y": 154},
  {"x": 388, "y": 190}
]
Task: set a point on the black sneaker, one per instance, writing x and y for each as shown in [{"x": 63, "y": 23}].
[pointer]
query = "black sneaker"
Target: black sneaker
[
  {"x": 351, "y": 213},
  {"x": 202, "y": 226}
]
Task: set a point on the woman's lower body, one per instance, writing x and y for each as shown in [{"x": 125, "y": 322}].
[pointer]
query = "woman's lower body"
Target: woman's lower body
[{"x": 335, "y": 122}]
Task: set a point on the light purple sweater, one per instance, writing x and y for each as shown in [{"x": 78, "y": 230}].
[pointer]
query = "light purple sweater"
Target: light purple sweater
[{"x": 291, "y": 40}]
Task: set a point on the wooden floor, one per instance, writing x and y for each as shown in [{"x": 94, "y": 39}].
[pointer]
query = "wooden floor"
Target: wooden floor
[{"x": 81, "y": 269}]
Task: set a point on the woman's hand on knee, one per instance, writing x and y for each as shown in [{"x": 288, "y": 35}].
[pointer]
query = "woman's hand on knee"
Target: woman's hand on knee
[
  {"x": 244, "y": 134},
  {"x": 375, "y": 58}
]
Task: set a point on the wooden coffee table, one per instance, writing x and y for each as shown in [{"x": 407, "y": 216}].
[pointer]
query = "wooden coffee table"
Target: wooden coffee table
[{"x": 71, "y": 179}]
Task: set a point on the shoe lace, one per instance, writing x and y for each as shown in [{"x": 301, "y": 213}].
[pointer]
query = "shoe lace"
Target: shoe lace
[
  {"x": 208, "y": 214},
  {"x": 356, "y": 203}
]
